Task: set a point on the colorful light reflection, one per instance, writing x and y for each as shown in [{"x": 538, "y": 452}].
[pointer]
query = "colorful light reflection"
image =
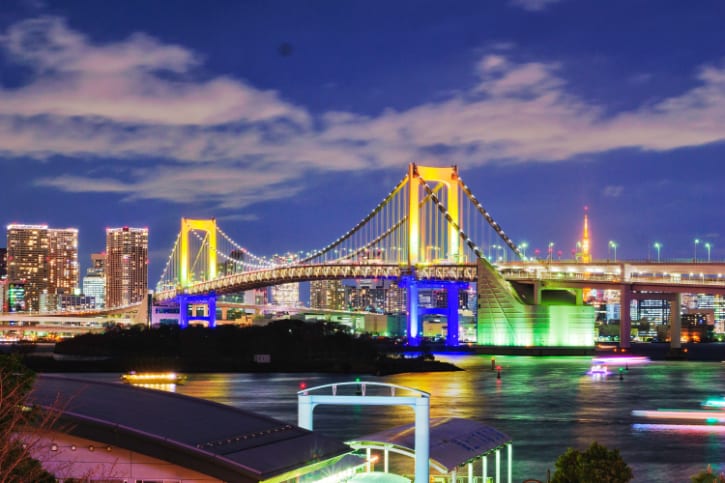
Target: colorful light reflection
[
  {"x": 714, "y": 403},
  {"x": 621, "y": 360},
  {"x": 687, "y": 428},
  {"x": 711, "y": 417}
]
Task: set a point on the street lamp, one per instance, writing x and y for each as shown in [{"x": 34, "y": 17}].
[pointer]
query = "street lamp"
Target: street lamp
[
  {"x": 708, "y": 245},
  {"x": 697, "y": 242},
  {"x": 657, "y": 246},
  {"x": 613, "y": 245},
  {"x": 551, "y": 251},
  {"x": 523, "y": 248}
]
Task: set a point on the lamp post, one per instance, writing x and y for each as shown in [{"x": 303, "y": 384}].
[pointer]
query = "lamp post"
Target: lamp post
[
  {"x": 708, "y": 245},
  {"x": 697, "y": 242},
  {"x": 523, "y": 248},
  {"x": 551, "y": 251},
  {"x": 657, "y": 246},
  {"x": 613, "y": 246}
]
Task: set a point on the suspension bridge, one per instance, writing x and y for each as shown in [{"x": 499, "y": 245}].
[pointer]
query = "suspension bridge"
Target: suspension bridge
[{"x": 430, "y": 231}]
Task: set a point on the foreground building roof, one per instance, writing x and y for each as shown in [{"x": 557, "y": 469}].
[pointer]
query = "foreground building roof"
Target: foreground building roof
[
  {"x": 218, "y": 440},
  {"x": 453, "y": 441}
]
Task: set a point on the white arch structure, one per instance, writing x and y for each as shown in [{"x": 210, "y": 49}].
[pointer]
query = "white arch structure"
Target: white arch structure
[{"x": 418, "y": 400}]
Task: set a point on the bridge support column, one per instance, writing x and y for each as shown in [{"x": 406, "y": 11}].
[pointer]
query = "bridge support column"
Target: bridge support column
[
  {"x": 413, "y": 325},
  {"x": 676, "y": 322},
  {"x": 625, "y": 317},
  {"x": 537, "y": 292},
  {"x": 452, "y": 315}
]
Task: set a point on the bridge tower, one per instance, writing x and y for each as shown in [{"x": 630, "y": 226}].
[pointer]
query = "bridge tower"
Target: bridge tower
[
  {"x": 449, "y": 177},
  {"x": 187, "y": 225},
  {"x": 416, "y": 177}
]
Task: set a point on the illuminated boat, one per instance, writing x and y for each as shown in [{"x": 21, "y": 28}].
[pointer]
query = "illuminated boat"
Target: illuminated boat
[
  {"x": 145, "y": 378},
  {"x": 598, "y": 370}
]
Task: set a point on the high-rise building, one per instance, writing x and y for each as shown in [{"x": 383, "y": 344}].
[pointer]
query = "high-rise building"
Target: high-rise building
[
  {"x": 98, "y": 261},
  {"x": 327, "y": 294},
  {"x": 28, "y": 256},
  {"x": 126, "y": 265},
  {"x": 62, "y": 261},
  {"x": 94, "y": 282},
  {"x": 3, "y": 295},
  {"x": 44, "y": 260},
  {"x": 288, "y": 294},
  {"x": 3, "y": 263}
]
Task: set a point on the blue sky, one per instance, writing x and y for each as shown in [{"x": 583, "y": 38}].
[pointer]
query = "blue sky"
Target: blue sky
[{"x": 288, "y": 121}]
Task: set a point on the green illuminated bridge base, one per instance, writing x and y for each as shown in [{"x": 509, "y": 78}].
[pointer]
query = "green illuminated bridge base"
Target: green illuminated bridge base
[{"x": 504, "y": 319}]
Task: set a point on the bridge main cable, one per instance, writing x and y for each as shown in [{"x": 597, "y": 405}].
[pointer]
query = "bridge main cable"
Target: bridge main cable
[
  {"x": 489, "y": 218},
  {"x": 362, "y": 223}
]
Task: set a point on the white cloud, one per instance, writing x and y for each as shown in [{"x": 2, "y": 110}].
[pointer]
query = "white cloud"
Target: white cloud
[
  {"x": 212, "y": 138},
  {"x": 120, "y": 82}
]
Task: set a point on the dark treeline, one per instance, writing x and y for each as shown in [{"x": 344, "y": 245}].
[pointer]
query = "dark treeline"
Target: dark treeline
[{"x": 280, "y": 346}]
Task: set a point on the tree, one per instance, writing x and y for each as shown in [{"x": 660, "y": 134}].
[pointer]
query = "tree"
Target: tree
[
  {"x": 16, "y": 463},
  {"x": 595, "y": 465},
  {"x": 707, "y": 476}
]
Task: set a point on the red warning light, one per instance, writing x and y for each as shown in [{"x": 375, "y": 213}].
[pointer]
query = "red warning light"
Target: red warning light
[{"x": 303, "y": 385}]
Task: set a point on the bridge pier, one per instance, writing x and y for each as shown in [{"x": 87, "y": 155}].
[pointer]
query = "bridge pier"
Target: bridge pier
[
  {"x": 186, "y": 300},
  {"x": 675, "y": 321},
  {"x": 676, "y": 327},
  {"x": 625, "y": 317},
  {"x": 414, "y": 329}
]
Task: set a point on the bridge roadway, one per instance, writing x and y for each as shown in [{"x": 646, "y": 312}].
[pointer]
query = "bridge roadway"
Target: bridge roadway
[
  {"x": 240, "y": 282},
  {"x": 666, "y": 277},
  {"x": 633, "y": 280}
]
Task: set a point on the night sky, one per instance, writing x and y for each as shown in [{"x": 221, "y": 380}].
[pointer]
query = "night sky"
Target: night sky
[{"x": 289, "y": 121}]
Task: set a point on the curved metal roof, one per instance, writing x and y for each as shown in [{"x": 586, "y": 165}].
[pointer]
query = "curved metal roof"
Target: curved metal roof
[
  {"x": 453, "y": 441},
  {"x": 218, "y": 440}
]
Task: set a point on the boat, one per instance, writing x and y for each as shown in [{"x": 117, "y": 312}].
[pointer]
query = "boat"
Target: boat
[
  {"x": 134, "y": 377},
  {"x": 598, "y": 370}
]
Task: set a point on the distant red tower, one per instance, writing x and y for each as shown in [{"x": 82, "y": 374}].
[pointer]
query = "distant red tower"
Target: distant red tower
[{"x": 586, "y": 256}]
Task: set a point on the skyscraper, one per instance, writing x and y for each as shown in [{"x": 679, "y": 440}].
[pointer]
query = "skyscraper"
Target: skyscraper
[
  {"x": 327, "y": 294},
  {"x": 126, "y": 265},
  {"x": 62, "y": 261},
  {"x": 287, "y": 294},
  {"x": 94, "y": 283},
  {"x": 3, "y": 263},
  {"x": 28, "y": 256}
]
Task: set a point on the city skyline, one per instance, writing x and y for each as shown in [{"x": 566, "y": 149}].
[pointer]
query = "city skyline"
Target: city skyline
[{"x": 289, "y": 122}]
